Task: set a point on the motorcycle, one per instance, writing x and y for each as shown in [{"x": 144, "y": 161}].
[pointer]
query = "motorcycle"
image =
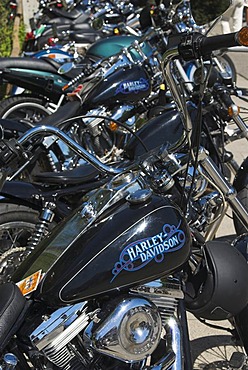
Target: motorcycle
[
  {"x": 13, "y": 4},
  {"x": 14, "y": 106},
  {"x": 102, "y": 146},
  {"x": 43, "y": 83},
  {"x": 53, "y": 9},
  {"x": 138, "y": 95},
  {"x": 213, "y": 144},
  {"x": 101, "y": 20},
  {"x": 99, "y": 299}
]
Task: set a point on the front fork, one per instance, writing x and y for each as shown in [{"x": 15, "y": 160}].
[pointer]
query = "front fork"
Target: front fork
[{"x": 228, "y": 191}]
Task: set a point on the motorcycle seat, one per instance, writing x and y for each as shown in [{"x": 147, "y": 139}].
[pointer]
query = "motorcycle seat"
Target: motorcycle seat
[
  {"x": 82, "y": 27},
  {"x": 84, "y": 37},
  {"x": 61, "y": 20},
  {"x": 64, "y": 14},
  {"x": 13, "y": 305},
  {"x": 69, "y": 19},
  {"x": 28, "y": 63},
  {"x": 80, "y": 175},
  {"x": 66, "y": 111},
  {"x": 41, "y": 64}
]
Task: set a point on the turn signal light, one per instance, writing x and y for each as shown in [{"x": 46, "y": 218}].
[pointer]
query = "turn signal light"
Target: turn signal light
[
  {"x": 113, "y": 126},
  {"x": 233, "y": 110},
  {"x": 243, "y": 36}
]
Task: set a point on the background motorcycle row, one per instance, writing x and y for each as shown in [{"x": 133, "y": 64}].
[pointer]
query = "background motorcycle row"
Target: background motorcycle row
[{"x": 205, "y": 340}]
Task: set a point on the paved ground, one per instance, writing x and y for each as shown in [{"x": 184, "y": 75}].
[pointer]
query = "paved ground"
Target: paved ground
[{"x": 29, "y": 8}]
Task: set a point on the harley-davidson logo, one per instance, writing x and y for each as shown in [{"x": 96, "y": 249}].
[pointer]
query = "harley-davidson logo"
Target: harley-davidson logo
[
  {"x": 139, "y": 253},
  {"x": 128, "y": 87}
]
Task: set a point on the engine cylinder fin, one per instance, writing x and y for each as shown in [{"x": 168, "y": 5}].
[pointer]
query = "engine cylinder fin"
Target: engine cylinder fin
[{"x": 63, "y": 358}]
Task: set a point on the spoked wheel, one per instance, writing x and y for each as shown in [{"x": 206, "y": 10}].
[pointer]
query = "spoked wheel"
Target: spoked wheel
[
  {"x": 219, "y": 353},
  {"x": 17, "y": 224},
  {"x": 24, "y": 108}
]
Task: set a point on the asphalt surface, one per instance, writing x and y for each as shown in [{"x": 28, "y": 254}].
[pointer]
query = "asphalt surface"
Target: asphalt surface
[{"x": 209, "y": 345}]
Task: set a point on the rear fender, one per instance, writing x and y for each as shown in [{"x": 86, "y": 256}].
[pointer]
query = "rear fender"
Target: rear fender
[
  {"x": 29, "y": 195},
  {"x": 11, "y": 128},
  {"x": 19, "y": 192}
]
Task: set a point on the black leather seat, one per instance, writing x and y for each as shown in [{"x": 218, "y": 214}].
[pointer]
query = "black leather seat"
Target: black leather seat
[
  {"x": 80, "y": 175},
  {"x": 28, "y": 63},
  {"x": 39, "y": 64},
  {"x": 12, "y": 308}
]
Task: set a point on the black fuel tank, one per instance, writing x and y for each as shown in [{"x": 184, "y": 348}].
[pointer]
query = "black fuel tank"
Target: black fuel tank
[
  {"x": 132, "y": 243},
  {"x": 127, "y": 84},
  {"x": 167, "y": 128}
]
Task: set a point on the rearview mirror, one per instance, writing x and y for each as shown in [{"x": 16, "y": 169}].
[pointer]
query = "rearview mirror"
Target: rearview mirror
[
  {"x": 206, "y": 11},
  {"x": 65, "y": 68}
]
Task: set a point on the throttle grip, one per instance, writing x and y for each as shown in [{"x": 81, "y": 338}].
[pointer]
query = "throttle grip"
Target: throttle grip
[{"x": 196, "y": 45}]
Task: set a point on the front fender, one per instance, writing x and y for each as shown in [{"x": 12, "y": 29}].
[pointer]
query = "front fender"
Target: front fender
[{"x": 241, "y": 178}]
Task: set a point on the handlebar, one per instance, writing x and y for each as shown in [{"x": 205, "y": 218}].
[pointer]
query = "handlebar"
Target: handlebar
[
  {"x": 195, "y": 46},
  {"x": 9, "y": 153},
  {"x": 191, "y": 47}
]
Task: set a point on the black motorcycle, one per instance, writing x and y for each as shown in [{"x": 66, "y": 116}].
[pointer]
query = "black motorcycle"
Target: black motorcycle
[
  {"x": 107, "y": 289},
  {"x": 84, "y": 27},
  {"x": 23, "y": 201}
]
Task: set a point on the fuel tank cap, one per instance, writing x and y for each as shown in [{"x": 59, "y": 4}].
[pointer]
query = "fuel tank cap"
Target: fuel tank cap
[{"x": 139, "y": 196}]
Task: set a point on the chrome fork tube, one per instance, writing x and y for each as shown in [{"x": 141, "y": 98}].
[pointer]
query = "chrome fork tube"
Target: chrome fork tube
[
  {"x": 241, "y": 125},
  {"x": 225, "y": 187},
  {"x": 173, "y": 329}
]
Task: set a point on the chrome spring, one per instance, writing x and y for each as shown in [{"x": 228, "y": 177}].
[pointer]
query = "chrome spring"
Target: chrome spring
[
  {"x": 41, "y": 229},
  {"x": 42, "y": 226}
]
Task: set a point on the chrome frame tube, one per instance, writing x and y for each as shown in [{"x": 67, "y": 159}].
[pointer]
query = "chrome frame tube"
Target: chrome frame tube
[
  {"x": 168, "y": 56},
  {"x": 50, "y": 130},
  {"x": 173, "y": 360}
]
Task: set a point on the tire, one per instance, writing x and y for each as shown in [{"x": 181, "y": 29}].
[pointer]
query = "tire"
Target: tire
[
  {"x": 227, "y": 63},
  {"x": 17, "y": 224},
  {"x": 24, "y": 108},
  {"x": 243, "y": 196}
]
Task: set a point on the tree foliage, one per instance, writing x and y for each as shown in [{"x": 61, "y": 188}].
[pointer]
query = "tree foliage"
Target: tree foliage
[
  {"x": 205, "y": 11},
  {"x": 5, "y": 29}
]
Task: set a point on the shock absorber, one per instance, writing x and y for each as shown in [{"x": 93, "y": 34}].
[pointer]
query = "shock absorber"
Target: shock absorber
[{"x": 42, "y": 227}]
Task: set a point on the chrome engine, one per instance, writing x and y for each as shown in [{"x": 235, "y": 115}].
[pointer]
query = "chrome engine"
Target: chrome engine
[{"x": 128, "y": 329}]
